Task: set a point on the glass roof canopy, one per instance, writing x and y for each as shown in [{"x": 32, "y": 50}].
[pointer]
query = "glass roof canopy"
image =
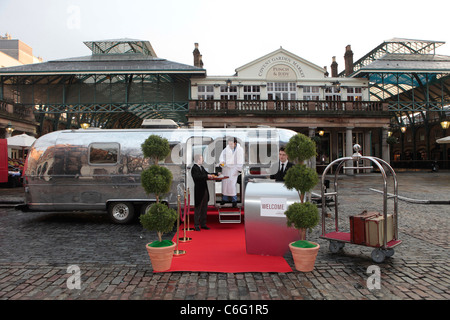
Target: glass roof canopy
[
  {"x": 121, "y": 46},
  {"x": 404, "y": 71},
  {"x": 409, "y": 76},
  {"x": 119, "y": 85},
  {"x": 396, "y": 46}
]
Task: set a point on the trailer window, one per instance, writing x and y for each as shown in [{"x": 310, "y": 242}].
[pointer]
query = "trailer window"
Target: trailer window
[{"x": 103, "y": 153}]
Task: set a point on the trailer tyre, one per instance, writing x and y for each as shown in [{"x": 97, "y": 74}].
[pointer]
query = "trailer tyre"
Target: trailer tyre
[
  {"x": 145, "y": 207},
  {"x": 121, "y": 212}
]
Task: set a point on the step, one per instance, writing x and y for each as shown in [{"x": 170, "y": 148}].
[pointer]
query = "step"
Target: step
[{"x": 229, "y": 212}]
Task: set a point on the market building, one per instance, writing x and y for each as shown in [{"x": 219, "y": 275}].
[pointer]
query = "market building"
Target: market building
[
  {"x": 284, "y": 90},
  {"x": 121, "y": 83},
  {"x": 394, "y": 101}
]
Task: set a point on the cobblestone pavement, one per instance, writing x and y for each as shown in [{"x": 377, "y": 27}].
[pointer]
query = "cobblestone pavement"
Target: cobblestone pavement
[{"x": 36, "y": 250}]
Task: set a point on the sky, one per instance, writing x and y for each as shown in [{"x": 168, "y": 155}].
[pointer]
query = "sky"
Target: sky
[{"x": 230, "y": 33}]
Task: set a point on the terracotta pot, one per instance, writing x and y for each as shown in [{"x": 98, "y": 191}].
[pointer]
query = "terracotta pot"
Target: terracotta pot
[
  {"x": 161, "y": 257},
  {"x": 304, "y": 258}
]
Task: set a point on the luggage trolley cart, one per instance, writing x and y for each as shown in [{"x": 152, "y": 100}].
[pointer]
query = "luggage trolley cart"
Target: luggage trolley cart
[{"x": 337, "y": 238}]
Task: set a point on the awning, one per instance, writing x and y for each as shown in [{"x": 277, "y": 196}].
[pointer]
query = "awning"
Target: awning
[
  {"x": 22, "y": 141},
  {"x": 444, "y": 140}
]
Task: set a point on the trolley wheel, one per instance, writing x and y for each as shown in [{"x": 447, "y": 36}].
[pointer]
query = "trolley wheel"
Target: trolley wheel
[
  {"x": 389, "y": 252},
  {"x": 121, "y": 212},
  {"x": 378, "y": 255},
  {"x": 335, "y": 246}
]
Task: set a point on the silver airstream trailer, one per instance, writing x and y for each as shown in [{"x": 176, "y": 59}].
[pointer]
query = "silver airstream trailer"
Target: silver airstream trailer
[{"x": 99, "y": 169}]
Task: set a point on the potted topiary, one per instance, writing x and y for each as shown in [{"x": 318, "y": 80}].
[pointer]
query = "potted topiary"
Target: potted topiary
[
  {"x": 391, "y": 140},
  {"x": 158, "y": 217},
  {"x": 304, "y": 215}
]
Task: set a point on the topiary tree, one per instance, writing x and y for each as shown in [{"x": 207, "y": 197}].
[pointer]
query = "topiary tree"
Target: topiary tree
[
  {"x": 300, "y": 148},
  {"x": 301, "y": 178},
  {"x": 161, "y": 219},
  {"x": 391, "y": 140},
  {"x": 301, "y": 215},
  {"x": 155, "y": 148},
  {"x": 157, "y": 180}
]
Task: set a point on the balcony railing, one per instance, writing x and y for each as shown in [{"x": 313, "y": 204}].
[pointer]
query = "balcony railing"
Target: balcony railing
[
  {"x": 287, "y": 105},
  {"x": 19, "y": 111}
]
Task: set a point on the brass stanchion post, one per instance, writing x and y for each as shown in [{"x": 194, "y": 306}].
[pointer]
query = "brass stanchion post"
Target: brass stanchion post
[
  {"x": 185, "y": 238},
  {"x": 178, "y": 252},
  {"x": 188, "y": 210}
]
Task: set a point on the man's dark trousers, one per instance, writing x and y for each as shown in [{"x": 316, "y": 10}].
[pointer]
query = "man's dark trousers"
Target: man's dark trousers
[{"x": 200, "y": 211}]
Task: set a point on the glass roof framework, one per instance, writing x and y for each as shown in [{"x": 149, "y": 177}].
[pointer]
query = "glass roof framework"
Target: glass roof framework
[
  {"x": 121, "y": 46},
  {"x": 396, "y": 46},
  {"x": 410, "y": 77},
  {"x": 119, "y": 85}
]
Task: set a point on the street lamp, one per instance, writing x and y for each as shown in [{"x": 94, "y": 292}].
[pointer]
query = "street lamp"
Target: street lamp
[
  {"x": 403, "y": 129},
  {"x": 9, "y": 129},
  {"x": 337, "y": 84},
  {"x": 445, "y": 124}
]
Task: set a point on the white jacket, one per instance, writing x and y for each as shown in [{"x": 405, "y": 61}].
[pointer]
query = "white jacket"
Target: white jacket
[{"x": 234, "y": 160}]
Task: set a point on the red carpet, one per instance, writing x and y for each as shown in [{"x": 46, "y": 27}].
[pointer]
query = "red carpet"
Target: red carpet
[{"x": 222, "y": 249}]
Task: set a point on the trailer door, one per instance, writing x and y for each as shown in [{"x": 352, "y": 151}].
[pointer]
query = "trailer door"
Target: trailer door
[{"x": 200, "y": 145}]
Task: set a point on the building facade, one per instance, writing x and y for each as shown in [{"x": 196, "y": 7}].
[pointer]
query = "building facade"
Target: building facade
[
  {"x": 15, "y": 119},
  {"x": 283, "y": 90},
  {"x": 400, "y": 84}
]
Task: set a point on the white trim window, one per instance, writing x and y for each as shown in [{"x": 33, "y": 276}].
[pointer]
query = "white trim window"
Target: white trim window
[
  {"x": 252, "y": 93},
  {"x": 281, "y": 91},
  {"x": 332, "y": 93},
  {"x": 354, "y": 94},
  {"x": 228, "y": 92},
  {"x": 311, "y": 92},
  {"x": 205, "y": 92}
]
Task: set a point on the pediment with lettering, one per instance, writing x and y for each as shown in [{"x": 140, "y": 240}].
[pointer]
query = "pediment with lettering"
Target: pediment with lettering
[{"x": 280, "y": 65}]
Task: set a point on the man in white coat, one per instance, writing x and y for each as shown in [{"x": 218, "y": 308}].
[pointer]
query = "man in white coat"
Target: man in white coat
[{"x": 231, "y": 159}]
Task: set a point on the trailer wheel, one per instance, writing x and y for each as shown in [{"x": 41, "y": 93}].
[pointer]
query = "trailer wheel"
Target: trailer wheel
[
  {"x": 145, "y": 206},
  {"x": 121, "y": 212}
]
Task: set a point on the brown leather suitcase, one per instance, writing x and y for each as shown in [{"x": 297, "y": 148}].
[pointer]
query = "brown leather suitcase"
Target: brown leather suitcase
[
  {"x": 358, "y": 228},
  {"x": 375, "y": 230}
]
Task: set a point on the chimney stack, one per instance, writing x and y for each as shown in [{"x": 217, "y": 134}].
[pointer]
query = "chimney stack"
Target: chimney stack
[
  {"x": 348, "y": 57},
  {"x": 198, "y": 62},
  {"x": 334, "y": 68}
]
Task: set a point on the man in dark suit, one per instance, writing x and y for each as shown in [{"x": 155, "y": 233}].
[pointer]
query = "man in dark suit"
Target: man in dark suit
[
  {"x": 283, "y": 166},
  {"x": 201, "y": 194}
]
